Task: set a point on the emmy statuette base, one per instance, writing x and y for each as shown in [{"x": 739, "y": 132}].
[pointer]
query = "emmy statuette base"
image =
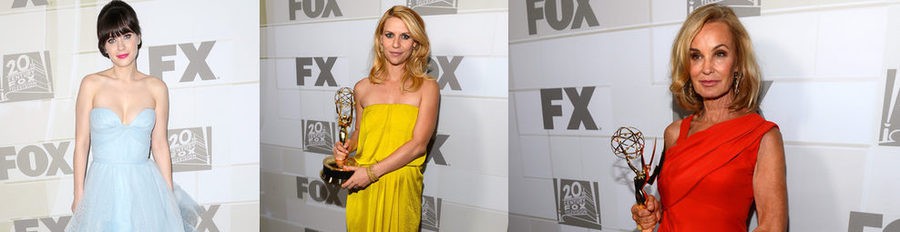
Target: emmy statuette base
[{"x": 332, "y": 174}]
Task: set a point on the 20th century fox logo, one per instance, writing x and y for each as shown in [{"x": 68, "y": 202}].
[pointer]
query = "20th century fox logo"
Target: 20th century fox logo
[
  {"x": 741, "y": 7},
  {"x": 431, "y": 212},
  {"x": 577, "y": 203},
  {"x": 24, "y": 3},
  {"x": 433, "y": 7},
  {"x": 26, "y": 76},
  {"x": 889, "y": 132},
  {"x": 318, "y": 136},
  {"x": 191, "y": 148}
]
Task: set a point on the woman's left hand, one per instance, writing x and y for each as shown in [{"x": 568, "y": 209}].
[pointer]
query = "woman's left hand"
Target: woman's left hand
[{"x": 359, "y": 179}]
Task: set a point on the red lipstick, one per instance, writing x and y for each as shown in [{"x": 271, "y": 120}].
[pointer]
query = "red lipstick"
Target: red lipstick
[{"x": 122, "y": 56}]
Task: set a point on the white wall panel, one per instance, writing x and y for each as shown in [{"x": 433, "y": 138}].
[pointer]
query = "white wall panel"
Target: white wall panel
[
  {"x": 661, "y": 50},
  {"x": 538, "y": 193},
  {"x": 823, "y": 174},
  {"x": 812, "y": 112},
  {"x": 850, "y": 33},
  {"x": 534, "y": 153},
  {"x": 880, "y": 174},
  {"x": 784, "y": 44}
]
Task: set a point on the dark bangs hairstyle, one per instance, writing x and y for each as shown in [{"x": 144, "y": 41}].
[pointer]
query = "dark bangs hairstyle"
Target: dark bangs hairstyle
[{"x": 115, "y": 19}]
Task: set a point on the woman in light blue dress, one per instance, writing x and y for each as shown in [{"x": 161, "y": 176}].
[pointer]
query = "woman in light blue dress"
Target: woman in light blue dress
[{"x": 121, "y": 117}]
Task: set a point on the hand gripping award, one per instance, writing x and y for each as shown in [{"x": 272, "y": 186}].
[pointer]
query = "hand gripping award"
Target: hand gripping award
[
  {"x": 628, "y": 144},
  {"x": 333, "y": 171}
]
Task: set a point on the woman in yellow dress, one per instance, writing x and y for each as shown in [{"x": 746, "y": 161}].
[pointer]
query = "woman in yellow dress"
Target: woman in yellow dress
[{"x": 399, "y": 105}]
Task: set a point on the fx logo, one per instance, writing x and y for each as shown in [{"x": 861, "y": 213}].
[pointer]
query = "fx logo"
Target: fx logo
[
  {"x": 577, "y": 203},
  {"x": 434, "y": 151},
  {"x": 46, "y": 159},
  {"x": 191, "y": 148},
  {"x": 444, "y": 68},
  {"x": 568, "y": 14},
  {"x": 580, "y": 115},
  {"x": 890, "y": 116},
  {"x": 860, "y": 220},
  {"x": 26, "y": 76},
  {"x": 34, "y": 224},
  {"x": 197, "y": 65},
  {"x": 206, "y": 222},
  {"x": 318, "y": 136},
  {"x": 431, "y": 213},
  {"x": 328, "y": 194},
  {"x": 23, "y": 3},
  {"x": 325, "y": 64},
  {"x": 321, "y": 9}
]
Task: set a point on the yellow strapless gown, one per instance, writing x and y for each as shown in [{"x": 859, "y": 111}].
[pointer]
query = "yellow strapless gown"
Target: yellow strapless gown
[{"x": 394, "y": 202}]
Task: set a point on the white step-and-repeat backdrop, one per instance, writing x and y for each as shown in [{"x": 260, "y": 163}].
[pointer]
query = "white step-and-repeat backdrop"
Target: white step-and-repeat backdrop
[
  {"x": 312, "y": 48},
  {"x": 205, "y": 51},
  {"x": 580, "y": 69}
]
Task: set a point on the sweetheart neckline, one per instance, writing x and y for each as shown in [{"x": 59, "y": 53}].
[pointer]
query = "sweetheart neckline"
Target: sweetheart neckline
[{"x": 121, "y": 119}]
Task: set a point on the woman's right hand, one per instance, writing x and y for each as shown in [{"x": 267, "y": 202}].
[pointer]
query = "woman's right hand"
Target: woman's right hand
[
  {"x": 75, "y": 202},
  {"x": 647, "y": 215},
  {"x": 340, "y": 150}
]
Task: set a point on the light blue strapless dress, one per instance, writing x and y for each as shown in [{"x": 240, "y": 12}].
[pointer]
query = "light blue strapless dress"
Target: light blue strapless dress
[{"x": 123, "y": 188}]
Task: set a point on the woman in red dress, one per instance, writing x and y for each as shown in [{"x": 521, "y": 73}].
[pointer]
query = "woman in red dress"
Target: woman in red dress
[{"x": 724, "y": 159}]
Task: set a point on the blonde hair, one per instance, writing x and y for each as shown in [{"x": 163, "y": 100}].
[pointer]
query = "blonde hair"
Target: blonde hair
[
  {"x": 417, "y": 63},
  {"x": 748, "y": 79}
]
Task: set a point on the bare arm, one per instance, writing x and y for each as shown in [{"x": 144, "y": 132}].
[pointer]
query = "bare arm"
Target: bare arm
[
  {"x": 769, "y": 185},
  {"x": 159, "y": 144},
  {"x": 83, "y": 105}
]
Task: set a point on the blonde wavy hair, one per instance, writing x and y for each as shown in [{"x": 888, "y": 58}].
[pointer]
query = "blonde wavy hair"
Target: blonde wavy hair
[
  {"x": 417, "y": 63},
  {"x": 748, "y": 73}
]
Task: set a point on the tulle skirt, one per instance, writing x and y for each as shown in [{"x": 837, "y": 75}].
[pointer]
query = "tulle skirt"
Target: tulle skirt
[{"x": 131, "y": 197}]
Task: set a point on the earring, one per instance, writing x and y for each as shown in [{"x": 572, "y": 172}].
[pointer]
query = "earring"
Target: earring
[
  {"x": 737, "y": 82},
  {"x": 689, "y": 90}
]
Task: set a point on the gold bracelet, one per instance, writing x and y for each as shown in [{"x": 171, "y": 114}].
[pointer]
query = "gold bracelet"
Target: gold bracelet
[{"x": 372, "y": 176}]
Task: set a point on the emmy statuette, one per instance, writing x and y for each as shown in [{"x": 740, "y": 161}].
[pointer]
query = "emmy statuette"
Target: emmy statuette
[
  {"x": 628, "y": 144},
  {"x": 333, "y": 167}
]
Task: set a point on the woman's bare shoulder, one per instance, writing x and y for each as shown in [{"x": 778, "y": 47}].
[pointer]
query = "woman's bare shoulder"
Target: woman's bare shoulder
[
  {"x": 430, "y": 84},
  {"x": 155, "y": 84},
  {"x": 361, "y": 87},
  {"x": 362, "y": 84},
  {"x": 772, "y": 137},
  {"x": 93, "y": 81},
  {"x": 672, "y": 132},
  {"x": 429, "y": 87}
]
